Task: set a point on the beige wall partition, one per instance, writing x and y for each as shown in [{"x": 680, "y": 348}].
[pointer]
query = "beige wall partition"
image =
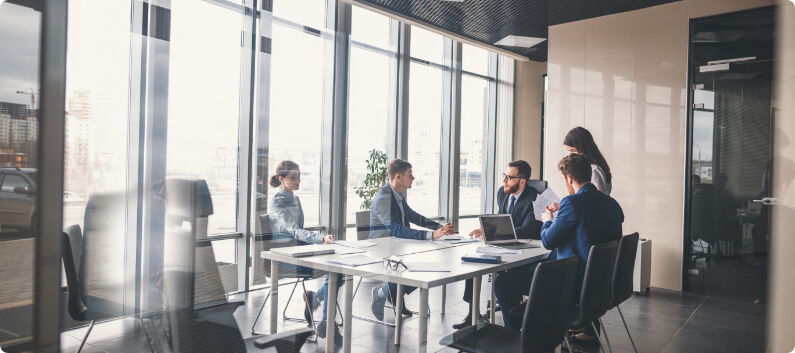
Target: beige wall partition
[
  {"x": 782, "y": 321},
  {"x": 624, "y": 78},
  {"x": 529, "y": 96}
]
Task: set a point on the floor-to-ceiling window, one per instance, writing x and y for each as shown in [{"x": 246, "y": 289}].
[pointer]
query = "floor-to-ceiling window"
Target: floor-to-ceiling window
[{"x": 426, "y": 111}]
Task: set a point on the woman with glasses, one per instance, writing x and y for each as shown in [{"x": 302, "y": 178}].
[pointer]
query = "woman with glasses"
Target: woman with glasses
[
  {"x": 579, "y": 140},
  {"x": 288, "y": 220}
]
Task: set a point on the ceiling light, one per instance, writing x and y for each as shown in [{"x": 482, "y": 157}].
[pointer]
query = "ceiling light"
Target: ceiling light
[{"x": 520, "y": 41}]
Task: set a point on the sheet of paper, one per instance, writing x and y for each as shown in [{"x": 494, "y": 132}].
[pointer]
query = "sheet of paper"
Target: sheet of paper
[
  {"x": 355, "y": 260},
  {"x": 493, "y": 250},
  {"x": 425, "y": 267},
  {"x": 455, "y": 239},
  {"x": 546, "y": 198},
  {"x": 355, "y": 244}
]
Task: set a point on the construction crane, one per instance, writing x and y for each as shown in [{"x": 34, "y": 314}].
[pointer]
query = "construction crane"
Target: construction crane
[{"x": 32, "y": 100}]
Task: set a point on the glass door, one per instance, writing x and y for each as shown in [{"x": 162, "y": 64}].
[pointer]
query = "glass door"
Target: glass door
[{"x": 730, "y": 158}]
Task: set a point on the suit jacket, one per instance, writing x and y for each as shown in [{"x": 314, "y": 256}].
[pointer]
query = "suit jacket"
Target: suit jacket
[
  {"x": 586, "y": 218},
  {"x": 386, "y": 220},
  {"x": 524, "y": 219}
]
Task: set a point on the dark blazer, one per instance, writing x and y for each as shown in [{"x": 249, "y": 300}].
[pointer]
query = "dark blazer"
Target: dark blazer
[
  {"x": 385, "y": 218},
  {"x": 586, "y": 218},
  {"x": 524, "y": 219}
]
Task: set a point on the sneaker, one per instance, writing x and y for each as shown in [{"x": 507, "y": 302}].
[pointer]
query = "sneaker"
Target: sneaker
[
  {"x": 321, "y": 332},
  {"x": 377, "y": 304},
  {"x": 311, "y": 304}
]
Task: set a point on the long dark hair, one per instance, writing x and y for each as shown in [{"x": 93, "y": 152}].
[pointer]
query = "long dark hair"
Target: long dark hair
[
  {"x": 581, "y": 139},
  {"x": 282, "y": 170}
]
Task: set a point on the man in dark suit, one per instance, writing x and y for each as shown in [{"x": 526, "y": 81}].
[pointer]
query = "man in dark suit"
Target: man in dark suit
[
  {"x": 390, "y": 215},
  {"x": 586, "y": 217},
  {"x": 514, "y": 198}
]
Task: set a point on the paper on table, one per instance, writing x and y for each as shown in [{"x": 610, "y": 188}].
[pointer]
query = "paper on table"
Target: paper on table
[
  {"x": 456, "y": 239},
  {"x": 355, "y": 260},
  {"x": 546, "y": 198},
  {"x": 494, "y": 250},
  {"x": 355, "y": 244},
  {"x": 425, "y": 267}
]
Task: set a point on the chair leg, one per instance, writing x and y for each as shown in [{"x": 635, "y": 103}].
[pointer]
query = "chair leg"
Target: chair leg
[
  {"x": 254, "y": 332},
  {"x": 627, "y": 328},
  {"x": 357, "y": 287},
  {"x": 598, "y": 338},
  {"x": 566, "y": 339},
  {"x": 85, "y": 337},
  {"x": 284, "y": 312},
  {"x": 607, "y": 339},
  {"x": 146, "y": 333}
]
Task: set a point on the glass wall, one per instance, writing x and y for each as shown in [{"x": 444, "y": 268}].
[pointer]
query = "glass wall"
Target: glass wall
[
  {"x": 19, "y": 133},
  {"x": 177, "y": 118}
]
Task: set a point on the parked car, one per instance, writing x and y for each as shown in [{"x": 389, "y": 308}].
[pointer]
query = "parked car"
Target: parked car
[{"x": 18, "y": 198}]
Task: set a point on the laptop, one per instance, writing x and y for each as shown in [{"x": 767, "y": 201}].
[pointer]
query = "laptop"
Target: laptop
[
  {"x": 304, "y": 250},
  {"x": 498, "y": 231}
]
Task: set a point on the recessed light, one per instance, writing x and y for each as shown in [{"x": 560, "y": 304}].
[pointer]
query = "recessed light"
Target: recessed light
[{"x": 520, "y": 41}]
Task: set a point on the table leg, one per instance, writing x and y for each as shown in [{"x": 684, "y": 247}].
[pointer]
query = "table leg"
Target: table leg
[
  {"x": 492, "y": 308},
  {"x": 422, "y": 345},
  {"x": 444, "y": 297},
  {"x": 476, "y": 299},
  {"x": 398, "y": 313},
  {"x": 274, "y": 295},
  {"x": 347, "y": 315},
  {"x": 331, "y": 313}
]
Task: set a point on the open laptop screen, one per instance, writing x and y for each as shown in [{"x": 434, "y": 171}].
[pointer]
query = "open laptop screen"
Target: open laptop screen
[{"x": 497, "y": 228}]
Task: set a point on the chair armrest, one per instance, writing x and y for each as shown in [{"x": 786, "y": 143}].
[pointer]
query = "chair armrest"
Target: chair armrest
[{"x": 292, "y": 337}]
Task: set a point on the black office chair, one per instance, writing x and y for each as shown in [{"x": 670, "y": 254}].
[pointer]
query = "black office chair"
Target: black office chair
[
  {"x": 623, "y": 276},
  {"x": 265, "y": 235},
  {"x": 285, "y": 342},
  {"x": 539, "y": 185},
  {"x": 543, "y": 326},
  {"x": 595, "y": 294},
  {"x": 79, "y": 306}
]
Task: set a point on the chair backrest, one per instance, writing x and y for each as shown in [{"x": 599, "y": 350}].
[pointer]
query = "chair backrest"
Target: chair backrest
[
  {"x": 363, "y": 225},
  {"x": 72, "y": 238},
  {"x": 539, "y": 185},
  {"x": 623, "y": 273},
  {"x": 267, "y": 234},
  {"x": 595, "y": 295},
  {"x": 553, "y": 283}
]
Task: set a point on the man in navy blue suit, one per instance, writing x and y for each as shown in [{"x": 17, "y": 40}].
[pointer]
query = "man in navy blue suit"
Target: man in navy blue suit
[
  {"x": 514, "y": 198},
  {"x": 586, "y": 217},
  {"x": 390, "y": 215}
]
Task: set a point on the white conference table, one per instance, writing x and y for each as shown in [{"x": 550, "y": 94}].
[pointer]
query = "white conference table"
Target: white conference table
[{"x": 446, "y": 254}]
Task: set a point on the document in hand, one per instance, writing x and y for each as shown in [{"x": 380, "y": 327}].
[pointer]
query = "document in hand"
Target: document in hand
[
  {"x": 355, "y": 260},
  {"x": 546, "y": 198},
  {"x": 425, "y": 267}
]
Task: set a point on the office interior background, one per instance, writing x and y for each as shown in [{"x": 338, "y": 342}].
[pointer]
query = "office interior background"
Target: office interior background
[{"x": 102, "y": 103}]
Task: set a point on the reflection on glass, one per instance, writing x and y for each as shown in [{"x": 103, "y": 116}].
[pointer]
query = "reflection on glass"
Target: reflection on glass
[
  {"x": 425, "y": 137},
  {"x": 19, "y": 134}
]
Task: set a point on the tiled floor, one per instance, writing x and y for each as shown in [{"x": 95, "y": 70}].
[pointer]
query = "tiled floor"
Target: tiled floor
[{"x": 662, "y": 321}]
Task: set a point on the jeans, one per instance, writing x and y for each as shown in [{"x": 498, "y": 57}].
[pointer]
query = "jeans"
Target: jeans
[
  {"x": 393, "y": 291},
  {"x": 323, "y": 292}
]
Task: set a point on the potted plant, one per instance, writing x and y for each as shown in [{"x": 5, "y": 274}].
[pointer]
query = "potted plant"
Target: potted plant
[{"x": 373, "y": 181}]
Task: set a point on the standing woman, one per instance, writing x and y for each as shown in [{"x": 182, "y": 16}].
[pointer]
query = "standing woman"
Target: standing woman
[
  {"x": 288, "y": 217},
  {"x": 579, "y": 140}
]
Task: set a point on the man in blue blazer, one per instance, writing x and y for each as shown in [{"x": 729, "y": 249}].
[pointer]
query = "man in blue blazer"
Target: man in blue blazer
[
  {"x": 586, "y": 217},
  {"x": 514, "y": 198},
  {"x": 390, "y": 215}
]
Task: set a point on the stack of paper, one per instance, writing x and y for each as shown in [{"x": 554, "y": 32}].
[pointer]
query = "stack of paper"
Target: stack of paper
[
  {"x": 456, "y": 239},
  {"x": 355, "y": 260},
  {"x": 425, "y": 267},
  {"x": 355, "y": 244}
]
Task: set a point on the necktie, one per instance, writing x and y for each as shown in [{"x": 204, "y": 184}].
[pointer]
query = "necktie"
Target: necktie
[
  {"x": 510, "y": 207},
  {"x": 403, "y": 216}
]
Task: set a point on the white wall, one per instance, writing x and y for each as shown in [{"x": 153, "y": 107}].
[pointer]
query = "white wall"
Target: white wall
[
  {"x": 529, "y": 94},
  {"x": 624, "y": 78}
]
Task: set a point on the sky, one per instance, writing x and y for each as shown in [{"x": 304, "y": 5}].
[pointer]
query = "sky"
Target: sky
[{"x": 19, "y": 40}]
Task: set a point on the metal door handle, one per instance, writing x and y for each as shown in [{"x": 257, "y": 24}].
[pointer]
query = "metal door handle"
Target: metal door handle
[{"x": 768, "y": 201}]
